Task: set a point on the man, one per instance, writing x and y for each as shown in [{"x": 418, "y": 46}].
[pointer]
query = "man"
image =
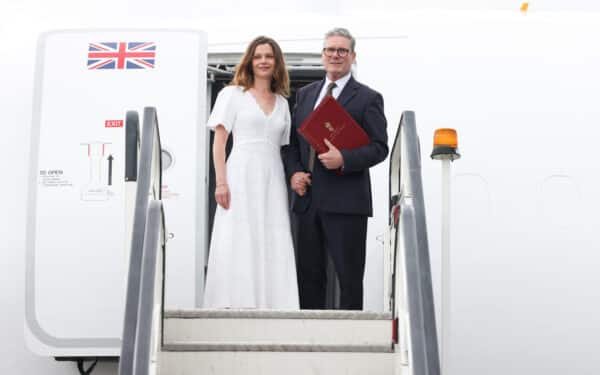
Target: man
[{"x": 332, "y": 191}]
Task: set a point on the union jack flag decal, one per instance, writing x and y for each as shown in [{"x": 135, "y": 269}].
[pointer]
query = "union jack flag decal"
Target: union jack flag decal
[{"x": 121, "y": 55}]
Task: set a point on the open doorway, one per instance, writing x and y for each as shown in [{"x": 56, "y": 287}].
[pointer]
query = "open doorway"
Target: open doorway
[{"x": 303, "y": 69}]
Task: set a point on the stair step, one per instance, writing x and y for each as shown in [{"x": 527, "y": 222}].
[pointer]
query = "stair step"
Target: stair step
[
  {"x": 276, "y": 363},
  {"x": 276, "y": 314},
  {"x": 300, "y": 328},
  {"x": 271, "y": 347}
]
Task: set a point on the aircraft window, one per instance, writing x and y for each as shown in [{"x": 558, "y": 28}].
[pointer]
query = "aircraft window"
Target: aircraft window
[{"x": 167, "y": 159}]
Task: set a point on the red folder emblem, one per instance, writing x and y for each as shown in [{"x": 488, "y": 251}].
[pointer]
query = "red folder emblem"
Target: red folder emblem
[{"x": 331, "y": 121}]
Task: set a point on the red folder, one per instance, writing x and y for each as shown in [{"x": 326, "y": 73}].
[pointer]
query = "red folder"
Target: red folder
[{"x": 330, "y": 120}]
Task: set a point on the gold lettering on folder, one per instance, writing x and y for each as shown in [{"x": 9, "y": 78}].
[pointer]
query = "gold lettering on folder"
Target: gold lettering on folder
[{"x": 329, "y": 126}]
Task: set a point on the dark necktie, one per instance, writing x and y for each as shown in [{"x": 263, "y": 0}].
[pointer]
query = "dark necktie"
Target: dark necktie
[{"x": 312, "y": 154}]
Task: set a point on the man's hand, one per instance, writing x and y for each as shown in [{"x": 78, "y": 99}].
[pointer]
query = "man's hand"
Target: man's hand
[
  {"x": 299, "y": 182},
  {"x": 333, "y": 158}
]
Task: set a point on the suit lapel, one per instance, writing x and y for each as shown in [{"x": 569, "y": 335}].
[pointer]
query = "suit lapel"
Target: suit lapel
[
  {"x": 313, "y": 96},
  {"x": 348, "y": 92}
]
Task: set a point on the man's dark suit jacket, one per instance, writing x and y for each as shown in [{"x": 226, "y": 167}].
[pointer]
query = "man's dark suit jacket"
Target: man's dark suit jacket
[{"x": 350, "y": 192}]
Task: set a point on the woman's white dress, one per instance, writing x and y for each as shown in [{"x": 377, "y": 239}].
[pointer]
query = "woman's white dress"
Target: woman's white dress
[{"x": 251, "y": 261}]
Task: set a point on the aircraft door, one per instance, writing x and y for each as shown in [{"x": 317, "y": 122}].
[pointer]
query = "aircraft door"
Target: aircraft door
[{"x": 77, "y": 242}]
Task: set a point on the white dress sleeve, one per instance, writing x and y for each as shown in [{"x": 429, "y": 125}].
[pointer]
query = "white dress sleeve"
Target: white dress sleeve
[
  {"x": 287, "y": 123},
  {"x": 224, "y": 110}
]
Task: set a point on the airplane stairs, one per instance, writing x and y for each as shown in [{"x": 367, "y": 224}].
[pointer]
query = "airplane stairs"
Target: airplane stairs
[
  {"x": 189, "y": 342},
  {"x": 276, "y": 342}
]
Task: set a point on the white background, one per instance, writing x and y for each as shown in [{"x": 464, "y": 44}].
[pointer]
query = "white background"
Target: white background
[{"x": 501, "y": 329}]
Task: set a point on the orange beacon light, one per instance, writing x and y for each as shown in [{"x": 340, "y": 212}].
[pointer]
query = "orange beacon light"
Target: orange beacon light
[{"x": 445, "y": 145}]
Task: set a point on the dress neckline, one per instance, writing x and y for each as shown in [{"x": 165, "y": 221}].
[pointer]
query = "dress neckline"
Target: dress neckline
[{"x": 267, "y": 115}]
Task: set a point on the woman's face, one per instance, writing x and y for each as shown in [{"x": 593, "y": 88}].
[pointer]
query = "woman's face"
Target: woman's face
[{"x": 263, "y": 61}]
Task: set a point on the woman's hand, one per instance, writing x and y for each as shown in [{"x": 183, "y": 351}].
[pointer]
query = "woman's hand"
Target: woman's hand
[{"x": 222, "y": 195}]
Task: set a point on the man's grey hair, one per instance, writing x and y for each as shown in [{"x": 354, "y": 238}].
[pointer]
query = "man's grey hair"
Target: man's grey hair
[{"x": 340, "y": 31}]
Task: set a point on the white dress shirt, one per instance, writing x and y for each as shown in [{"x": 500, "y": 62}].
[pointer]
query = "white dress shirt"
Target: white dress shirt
[{"x": 340, "y": 84}]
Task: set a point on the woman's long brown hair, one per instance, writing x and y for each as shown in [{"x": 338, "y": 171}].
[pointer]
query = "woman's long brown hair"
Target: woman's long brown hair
[{"x": 244, "y": 76}]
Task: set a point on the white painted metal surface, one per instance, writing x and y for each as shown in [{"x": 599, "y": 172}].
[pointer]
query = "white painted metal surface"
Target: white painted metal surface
[
  {"x": 268, "y": 363},
  {"x": 276, "y": 342},
  {"x": 76, "y": 209},
  {"x": 283, "y": 329},
  {"x": 446, "y": 292}
]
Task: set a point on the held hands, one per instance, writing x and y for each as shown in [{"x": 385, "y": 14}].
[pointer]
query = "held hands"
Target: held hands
[
  {"x": 333, "y": 158},
  {"x": 299, "y": 182},
  {"x": 222, "y": 195}
]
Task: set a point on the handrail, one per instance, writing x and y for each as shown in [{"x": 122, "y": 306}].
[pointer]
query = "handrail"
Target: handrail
[
  {"x": 149, "y": 178},
  {"x": 132, "y": 145},
  {"x": 412, "y": 288},
  {"x": 149, "y": 316}
]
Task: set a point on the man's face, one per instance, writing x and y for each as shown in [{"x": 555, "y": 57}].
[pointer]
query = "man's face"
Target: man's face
[{"x": 337, "y": 57}]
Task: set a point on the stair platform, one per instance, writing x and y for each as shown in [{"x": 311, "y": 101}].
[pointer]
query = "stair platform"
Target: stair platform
[
  {"x": 269, "y": 342},
  {"x": 324, "y": 328}
]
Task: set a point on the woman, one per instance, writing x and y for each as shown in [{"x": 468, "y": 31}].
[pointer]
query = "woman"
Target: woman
[{"x": 251, "y": 262}]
